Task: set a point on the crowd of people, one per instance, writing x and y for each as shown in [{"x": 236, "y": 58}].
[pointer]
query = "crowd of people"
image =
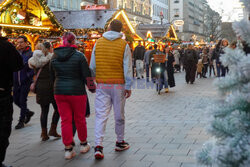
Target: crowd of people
[
  {"x": 195, "y": 61},
  {"x": 60, "y": 77}
]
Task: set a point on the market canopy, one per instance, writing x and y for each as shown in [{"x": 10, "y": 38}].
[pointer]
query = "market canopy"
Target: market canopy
[
  {"x": 84, "y": 21},
  {"x": 20, "y": 16},
  {"x": 157, "y": 31}
]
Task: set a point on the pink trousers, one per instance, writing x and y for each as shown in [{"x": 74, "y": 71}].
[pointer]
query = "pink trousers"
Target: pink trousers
[{"x": 72, "y": 107}]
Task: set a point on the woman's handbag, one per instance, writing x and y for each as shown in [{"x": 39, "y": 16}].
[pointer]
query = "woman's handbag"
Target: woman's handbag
[{"x": 33, "y": 85}]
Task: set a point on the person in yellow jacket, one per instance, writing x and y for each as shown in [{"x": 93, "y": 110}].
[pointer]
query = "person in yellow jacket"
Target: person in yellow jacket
[{"x": 111, "y": 63}]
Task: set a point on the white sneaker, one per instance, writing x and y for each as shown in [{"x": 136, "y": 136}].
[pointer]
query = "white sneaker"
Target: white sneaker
[
  {"x": 69, "y": 153},
  {"x": 84, "y": 147}
]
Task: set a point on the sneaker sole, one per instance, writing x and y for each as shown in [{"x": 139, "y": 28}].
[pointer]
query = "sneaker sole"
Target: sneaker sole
[
  {"x": 121, "y": 149},
  {"x": 85, "y": 151},
  {"x": 72, "y": 156},
  {"x": 99, "y": 156}
]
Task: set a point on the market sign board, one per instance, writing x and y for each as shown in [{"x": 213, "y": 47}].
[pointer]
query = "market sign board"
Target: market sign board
[
  {"x": 95, "y": 7},
  {"x": 178, "y": 23}
]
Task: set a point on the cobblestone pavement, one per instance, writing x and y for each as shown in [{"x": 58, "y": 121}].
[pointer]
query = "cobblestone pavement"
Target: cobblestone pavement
[{"x": 163, "y": 131}]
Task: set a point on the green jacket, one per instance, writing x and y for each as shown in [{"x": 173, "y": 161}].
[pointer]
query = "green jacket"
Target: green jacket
[{"x": 70, "y": 72}]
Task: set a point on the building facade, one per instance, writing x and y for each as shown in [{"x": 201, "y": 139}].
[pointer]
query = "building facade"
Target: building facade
[
  {"x": 160, "y": 11},
  {"x": 62, "y": 5},
  {"x": 192, "y": 12},
  {"x": 138, "y": 11}
]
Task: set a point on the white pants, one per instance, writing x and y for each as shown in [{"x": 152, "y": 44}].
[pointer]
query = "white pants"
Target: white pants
[
  {"x": 106, "y": 96},
  {"x": 139, "y": 68}
]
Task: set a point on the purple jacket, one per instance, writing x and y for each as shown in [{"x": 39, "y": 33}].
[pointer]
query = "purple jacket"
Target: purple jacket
[{"x": 26, "y": 74}]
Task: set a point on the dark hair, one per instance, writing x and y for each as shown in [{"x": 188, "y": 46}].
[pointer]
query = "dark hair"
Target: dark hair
[
  {"x": 150, "y": 47},
  {"x": 23, "y": 37},
  {"x": 47, "y": 45},
  {"x": 116, "y": 25},
  {"x": 155, "y": 46}
]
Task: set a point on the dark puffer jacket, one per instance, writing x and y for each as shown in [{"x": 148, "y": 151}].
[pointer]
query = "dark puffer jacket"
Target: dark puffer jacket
[
  {"x": 70, "y": 72},
  {"x": 25, "y": 75}
]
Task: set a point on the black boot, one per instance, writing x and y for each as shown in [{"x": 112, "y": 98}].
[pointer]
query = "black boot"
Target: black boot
[
  {"x": 28, "y": 116},
  {"x": 20, "y": 124}
]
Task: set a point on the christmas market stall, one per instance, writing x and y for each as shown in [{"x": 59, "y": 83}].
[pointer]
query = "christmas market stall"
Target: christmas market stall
[
  {"x": 89, "y": 25},
  {"x": 31, "y": 18},
  {"x": 162, "y": 34}
]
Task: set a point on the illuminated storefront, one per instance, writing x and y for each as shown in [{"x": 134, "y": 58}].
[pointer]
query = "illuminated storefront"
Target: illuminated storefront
[{"x": 32, "y": 18}]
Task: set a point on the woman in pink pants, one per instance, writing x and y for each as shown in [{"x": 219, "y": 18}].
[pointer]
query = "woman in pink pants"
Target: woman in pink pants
[{"x": 70, "y": 72}]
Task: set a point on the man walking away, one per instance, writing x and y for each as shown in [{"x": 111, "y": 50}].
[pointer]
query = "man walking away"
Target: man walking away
[
  {"x": 22, "y": 82},
  {"x": 111, "y": 60},
  {"x": 190, "y": 64},
  {"x": 139, "y": 56},
  {"x": 10, "y": 61},
  {"x": 147, "y": 60}
]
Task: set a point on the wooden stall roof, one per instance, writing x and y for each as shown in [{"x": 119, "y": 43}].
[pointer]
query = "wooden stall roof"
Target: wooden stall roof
[
  {"x": 96, "y": 20},
  {"x": 158, "y": 31}
]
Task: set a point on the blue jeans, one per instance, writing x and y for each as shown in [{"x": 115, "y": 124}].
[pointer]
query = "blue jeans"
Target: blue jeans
[
  {"x": 20, "y": 94},
  {"x": 164, "y": 80},
  {"x": 221, "y": 70},
  {"x": 147, "y": 72}
]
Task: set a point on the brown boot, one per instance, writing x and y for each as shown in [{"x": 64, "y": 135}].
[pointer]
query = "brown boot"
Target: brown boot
[
  {"x": 53, "y": 132},
  {"x": 44, "y": 134}
]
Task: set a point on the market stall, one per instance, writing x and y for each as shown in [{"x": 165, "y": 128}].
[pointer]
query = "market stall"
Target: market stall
[
  {"x": 32, "y": 18},
  {"x": 89, "y": 25},
  {"x": 156, "y": 33}
]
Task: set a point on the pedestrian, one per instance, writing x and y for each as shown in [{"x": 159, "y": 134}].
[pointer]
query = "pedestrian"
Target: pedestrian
[
  {"x": 113, "y": 70},
  {"x": 219, "y": 50},
  {"x": 22, "y": 82},
  {"x": 190, "y": 64},
  {"x": 211, "y": 62},
  {"x": 10, "y": 61},
  {"x": 170, "y": 68},
  {"x": 70, "y": 73},
  {"x": 44, "y": 88},
  {"x": 138, "y": 55},
  {"x": 147, "y": 61},
  {"x": 200, "y": 67},
  {"x": 205, "y": 62},
  {"x": 177, "y": 60}
]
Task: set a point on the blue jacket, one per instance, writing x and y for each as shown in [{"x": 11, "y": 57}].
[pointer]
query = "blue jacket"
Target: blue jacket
[{"x": 26, "y": 74}]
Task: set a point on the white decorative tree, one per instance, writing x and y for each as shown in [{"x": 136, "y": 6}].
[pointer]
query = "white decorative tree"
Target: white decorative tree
[{"x": 230, "y": 127}]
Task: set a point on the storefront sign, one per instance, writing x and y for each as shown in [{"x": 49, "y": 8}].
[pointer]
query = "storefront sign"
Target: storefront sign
[
  {"x": 178, "y": 23},
  {"x": 95, "y": 7}
]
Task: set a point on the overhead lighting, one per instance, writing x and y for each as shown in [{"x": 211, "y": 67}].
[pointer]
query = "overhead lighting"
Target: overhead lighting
[{"x": 23, "y": 26}]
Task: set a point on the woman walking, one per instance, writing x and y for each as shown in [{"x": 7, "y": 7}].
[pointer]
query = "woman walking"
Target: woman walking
[
  {"x": 44, "y": 88},
  {"x": 70, "y": 71}
]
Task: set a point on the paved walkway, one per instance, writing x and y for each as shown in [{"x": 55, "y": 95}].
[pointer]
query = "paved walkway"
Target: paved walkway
[{"x": 163, "y": 131}]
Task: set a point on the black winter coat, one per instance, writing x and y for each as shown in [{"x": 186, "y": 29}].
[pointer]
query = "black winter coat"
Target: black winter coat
[
  {"x": 10, "y": 61},
  {"x": 44, "y": 87},
  {"x": 139, "y": 53},
  {"x": 170, "y": 70}
]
